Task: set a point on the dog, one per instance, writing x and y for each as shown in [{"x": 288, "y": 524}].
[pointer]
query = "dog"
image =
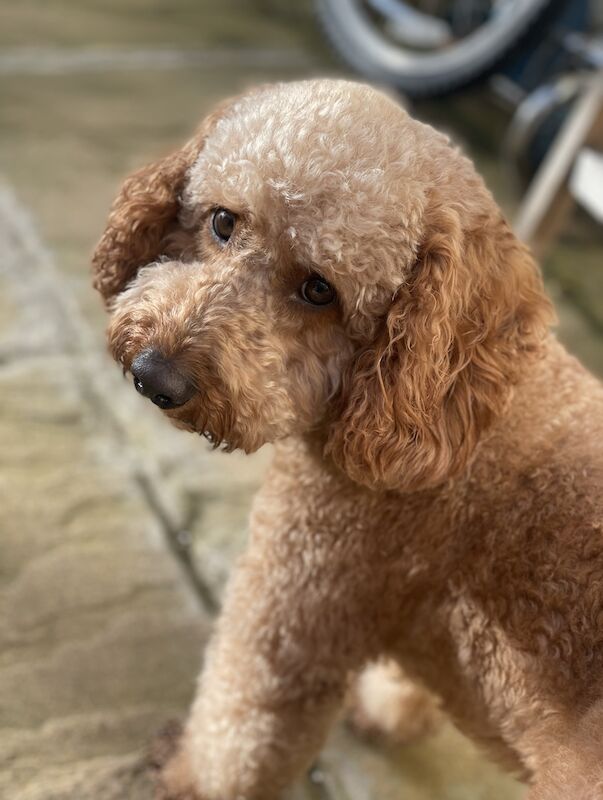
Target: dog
[{"x": 318, "y": 270}]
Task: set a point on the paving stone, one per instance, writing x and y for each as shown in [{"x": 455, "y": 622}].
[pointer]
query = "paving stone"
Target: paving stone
[
  {"x": 443, "y": 766},
  {"x": 100, "y": 637},
  {"x": 219, "y": 511},
  {"x": 180, "y": 23}
]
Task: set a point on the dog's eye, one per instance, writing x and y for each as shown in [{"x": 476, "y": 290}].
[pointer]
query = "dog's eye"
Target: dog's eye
[
  {"x": 223, "y": 223},
  {"x": 317, "y": 292}
]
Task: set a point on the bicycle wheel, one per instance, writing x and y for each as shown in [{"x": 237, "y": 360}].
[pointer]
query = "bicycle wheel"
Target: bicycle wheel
[{"x": 423, "y": 53}]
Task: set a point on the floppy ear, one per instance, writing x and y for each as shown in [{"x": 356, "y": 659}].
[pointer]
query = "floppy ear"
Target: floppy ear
[
  {"x": 144, "y": 215},
  {"x": 456, "y": 338}
]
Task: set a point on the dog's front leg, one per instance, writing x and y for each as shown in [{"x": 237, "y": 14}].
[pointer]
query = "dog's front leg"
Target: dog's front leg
[{"x": 273, "y": 679}]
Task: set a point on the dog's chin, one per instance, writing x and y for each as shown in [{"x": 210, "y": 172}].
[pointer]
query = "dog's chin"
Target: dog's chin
[{"x": 194, "y": 418}]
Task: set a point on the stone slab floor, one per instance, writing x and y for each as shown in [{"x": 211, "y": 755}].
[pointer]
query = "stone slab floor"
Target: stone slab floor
[{"x": 116, "y": 531}]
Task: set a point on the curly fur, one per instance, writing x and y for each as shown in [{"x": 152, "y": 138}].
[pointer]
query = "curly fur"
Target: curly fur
[
  {"x": 445, "y": 363},
  {"x": 435, "y": 495}
]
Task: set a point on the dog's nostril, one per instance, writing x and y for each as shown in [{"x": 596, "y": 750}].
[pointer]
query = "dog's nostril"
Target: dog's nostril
[
  {"x": 163, "y": 401},
  {"x": 158, "y": 379}
]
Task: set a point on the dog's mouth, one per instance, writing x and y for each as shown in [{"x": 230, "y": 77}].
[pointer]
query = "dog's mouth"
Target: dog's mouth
[
  {"x": 195, "y": 399},
  {"x": 193, "y": 417},
  {"x": 205, "y": 412}
]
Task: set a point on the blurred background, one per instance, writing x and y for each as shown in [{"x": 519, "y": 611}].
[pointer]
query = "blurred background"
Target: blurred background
[{"x": 116, "y": 531}]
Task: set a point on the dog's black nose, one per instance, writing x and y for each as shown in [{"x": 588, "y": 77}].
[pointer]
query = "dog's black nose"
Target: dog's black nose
[{"x": 156, "y": 377}]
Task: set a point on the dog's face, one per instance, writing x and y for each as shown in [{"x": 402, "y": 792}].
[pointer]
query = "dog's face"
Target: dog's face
[{"x": 299, "y": 263}]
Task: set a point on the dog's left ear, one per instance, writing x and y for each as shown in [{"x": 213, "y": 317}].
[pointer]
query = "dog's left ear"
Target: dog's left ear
[
  {"x": 143, "y": 218},
  {"x": 458, "y": 334}
]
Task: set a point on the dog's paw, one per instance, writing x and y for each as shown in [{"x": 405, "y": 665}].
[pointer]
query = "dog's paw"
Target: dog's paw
[
  {"x": 164, "y": 745},
  {"x": 384, "y": 706},
  {"x": 168, "y": 762}
]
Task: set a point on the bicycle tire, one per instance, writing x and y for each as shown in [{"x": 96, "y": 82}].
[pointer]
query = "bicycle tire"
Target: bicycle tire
[{"x": 423, "y": 75}]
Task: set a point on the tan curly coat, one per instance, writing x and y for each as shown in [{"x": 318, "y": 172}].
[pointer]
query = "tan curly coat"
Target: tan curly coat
[{"x": 435, "y": 496}]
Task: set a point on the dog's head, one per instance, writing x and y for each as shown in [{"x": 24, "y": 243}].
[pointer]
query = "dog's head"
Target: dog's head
[{"x": 315, "y": 261}]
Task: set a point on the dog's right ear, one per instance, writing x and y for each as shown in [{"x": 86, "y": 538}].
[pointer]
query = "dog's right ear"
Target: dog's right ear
[
  {"x": 462, "y": 329},
  {"x": 144, "y": 214}
]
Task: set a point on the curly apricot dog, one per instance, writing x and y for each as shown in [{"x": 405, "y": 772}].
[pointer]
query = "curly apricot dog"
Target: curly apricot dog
[{"x": 316, "y": 269}]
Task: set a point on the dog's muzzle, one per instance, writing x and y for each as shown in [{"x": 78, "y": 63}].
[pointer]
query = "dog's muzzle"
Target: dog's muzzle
[{"x": 158, "y": 379}]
